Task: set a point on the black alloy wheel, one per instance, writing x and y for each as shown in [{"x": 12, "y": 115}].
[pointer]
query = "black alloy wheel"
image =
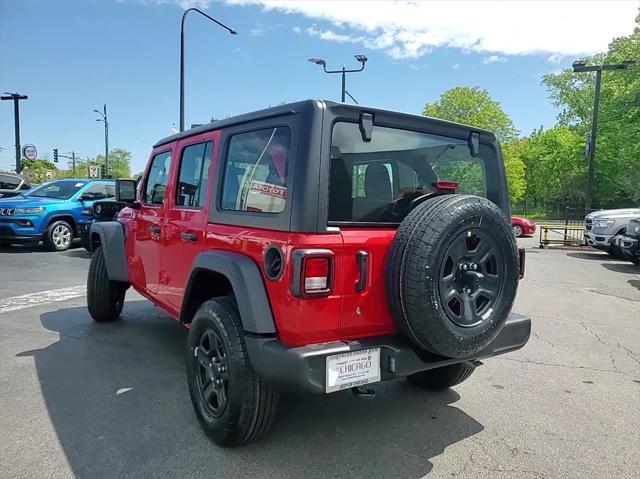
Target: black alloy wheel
[
  {"x": 212, "y": 372},
  {"x": 472, "y": 276}
]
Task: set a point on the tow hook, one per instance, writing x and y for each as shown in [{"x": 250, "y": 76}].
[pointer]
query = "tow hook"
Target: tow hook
[{"x": 361, "y": 392}]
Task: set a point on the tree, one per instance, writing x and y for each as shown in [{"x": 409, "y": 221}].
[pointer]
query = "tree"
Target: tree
[
  {"x": 474, "y": 106},
  {"x": 617, "y": 160},
  {"x": 38, "y": 170},
  {"x": 119, "y": 163}
]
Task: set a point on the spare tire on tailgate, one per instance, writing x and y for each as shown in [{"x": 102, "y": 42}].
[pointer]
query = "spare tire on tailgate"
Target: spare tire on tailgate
[{"x": 452, "y": 275}]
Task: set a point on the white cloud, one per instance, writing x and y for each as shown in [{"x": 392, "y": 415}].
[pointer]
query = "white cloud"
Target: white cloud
[
  {"x": 297, "y": 29},
  {"x": 493, "y": 59},
  {"x": 409, "y": 29},
  {"x": 329, "y": 35},
  {"x": 556, "y": 58},
  {"x": 456, "y": 66}
]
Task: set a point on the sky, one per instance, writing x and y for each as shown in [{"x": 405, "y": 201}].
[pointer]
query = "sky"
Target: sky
[{"x": 71, "y": 57}]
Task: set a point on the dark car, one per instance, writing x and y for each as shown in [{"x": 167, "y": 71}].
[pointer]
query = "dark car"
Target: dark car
[
  {"x": 101, "y": 210},
  {"x": 12, "y": 184},
  {"x": 629, "y": 242},
  {"x": 320, "y": 247}
]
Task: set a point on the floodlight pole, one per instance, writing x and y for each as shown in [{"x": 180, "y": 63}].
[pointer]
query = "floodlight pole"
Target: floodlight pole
[
  {"x": 343, "y": 71},
  {"x": 581, "y": 66},
  {"x": 184, "y": 16},
  {"x": 16, "y": 97}
]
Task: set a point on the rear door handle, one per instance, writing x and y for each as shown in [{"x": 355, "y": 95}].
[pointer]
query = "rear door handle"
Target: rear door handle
[
  {"x": 155, "y": 229},
  {"x": 189, "y": 236},
  {"x": 362, "y": 258}
]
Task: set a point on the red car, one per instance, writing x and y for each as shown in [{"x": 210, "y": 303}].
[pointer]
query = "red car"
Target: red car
[
  {"x": 319, "y": 247},
  {"x": 522, "y": 227}
]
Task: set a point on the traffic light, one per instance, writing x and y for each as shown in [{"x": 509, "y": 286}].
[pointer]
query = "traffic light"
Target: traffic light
[
  {"x": 55, "y": 155},
  {"x": 103, "y": 171}
]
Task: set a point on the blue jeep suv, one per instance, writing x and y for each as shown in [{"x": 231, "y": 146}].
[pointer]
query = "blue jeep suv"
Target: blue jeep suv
[{"x": 50, "y": 212}]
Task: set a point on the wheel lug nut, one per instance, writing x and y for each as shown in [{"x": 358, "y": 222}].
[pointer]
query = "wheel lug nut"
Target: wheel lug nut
[{"x": 465, "y": 267}]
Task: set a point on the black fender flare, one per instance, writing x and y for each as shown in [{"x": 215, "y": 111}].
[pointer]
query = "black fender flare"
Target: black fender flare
[
  {"x": 248, "y": 288},
  {"x": 111, "y": 235}
]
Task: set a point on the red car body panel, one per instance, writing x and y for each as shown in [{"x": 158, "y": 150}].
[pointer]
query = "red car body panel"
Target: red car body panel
[
  {"x": 528, "y": 226},
  {"x": 159, "y": 263}
]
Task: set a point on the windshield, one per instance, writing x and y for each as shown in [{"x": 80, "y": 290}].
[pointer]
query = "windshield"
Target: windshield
[
  {"x": 62, "y": 190},
  {"x": 9, "y": 182},
  {"x": 375, "y": 181}
]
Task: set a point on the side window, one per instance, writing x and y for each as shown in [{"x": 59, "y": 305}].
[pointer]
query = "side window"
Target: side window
[
  {"x": 111, "y": 190},
  {"x": 157, "y": 179},
  {"x": 194, "y": 173},
  {"x": 255, "y": 177},
  {"x": 96, "y": 191}
]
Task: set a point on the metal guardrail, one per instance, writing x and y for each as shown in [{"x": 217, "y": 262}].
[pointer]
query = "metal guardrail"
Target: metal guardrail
[{"x": 561, "y": 234}]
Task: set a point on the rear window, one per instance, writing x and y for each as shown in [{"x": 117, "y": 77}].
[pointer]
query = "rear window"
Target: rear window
[
  {"x": 375, "y": 181},
  {"x": 9, "y": 182}
]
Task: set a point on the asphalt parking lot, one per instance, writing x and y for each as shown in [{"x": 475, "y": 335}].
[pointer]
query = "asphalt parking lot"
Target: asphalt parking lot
[{"x": 110, "y": 400}]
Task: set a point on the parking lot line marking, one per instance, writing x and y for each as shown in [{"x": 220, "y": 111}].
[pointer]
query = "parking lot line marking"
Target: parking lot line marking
[{"x": 30, "y": 300}]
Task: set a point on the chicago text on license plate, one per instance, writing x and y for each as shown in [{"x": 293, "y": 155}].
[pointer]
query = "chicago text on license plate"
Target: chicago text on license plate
[{"x": 352, "y": 369}]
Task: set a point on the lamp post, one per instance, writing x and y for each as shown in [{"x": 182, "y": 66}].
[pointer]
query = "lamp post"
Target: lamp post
[
  {"x": 578, "y": 67},
  {"x": 362, "y": 59},
  {"x": 105, "y": 120},
  {"x": 16, "y": 97},
  {"x": 184, "y": 16}
]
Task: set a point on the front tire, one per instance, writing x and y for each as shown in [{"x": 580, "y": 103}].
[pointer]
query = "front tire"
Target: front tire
[
  {"x": 233, "y": 405},
  {"x": 58, "y": 236},
  {"x": 105, "y": 298},
  {"x": 442, "y": 378}
]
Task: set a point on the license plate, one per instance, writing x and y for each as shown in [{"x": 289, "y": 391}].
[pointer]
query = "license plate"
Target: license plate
[{"x": 352, "y": 369}]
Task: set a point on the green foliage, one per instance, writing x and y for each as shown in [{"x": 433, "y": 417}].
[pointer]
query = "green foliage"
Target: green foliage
[
  {"x": 617, "y": 158},
  {"x": 555, "y": 166},
  {"x": 119, "y": 163},
  {"x": 38, "y": 170},
  {"x": 475, "y": 107}
]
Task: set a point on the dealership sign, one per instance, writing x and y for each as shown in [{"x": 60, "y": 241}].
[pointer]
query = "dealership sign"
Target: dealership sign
[{"x": 29, "y": 152}]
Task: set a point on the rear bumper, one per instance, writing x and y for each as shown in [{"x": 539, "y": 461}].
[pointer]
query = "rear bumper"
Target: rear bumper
[{"x": 304, "y": 367}]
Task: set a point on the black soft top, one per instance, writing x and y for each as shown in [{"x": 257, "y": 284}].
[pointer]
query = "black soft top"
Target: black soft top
[{"x": 305, "y": 105}]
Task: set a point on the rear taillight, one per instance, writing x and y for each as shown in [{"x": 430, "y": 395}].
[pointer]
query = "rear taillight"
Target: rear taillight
[
  {"x": 313, "y": 271},
  {"x": 446, "y": 185}
]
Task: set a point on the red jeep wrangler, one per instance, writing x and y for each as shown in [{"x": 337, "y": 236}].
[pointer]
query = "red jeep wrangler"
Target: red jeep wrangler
[{"x": 318, "y": 246}]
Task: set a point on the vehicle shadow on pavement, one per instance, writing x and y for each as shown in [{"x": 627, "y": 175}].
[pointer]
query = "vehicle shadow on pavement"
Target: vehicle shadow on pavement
[
  {"x": 628, "y": 268},
  {"x": 595, "y": 255},
  {"x": 149, "y": 430}
]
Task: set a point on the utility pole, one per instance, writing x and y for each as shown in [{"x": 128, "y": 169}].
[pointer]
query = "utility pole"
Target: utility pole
[
  {"x": 105, "y": 120},
  {"x": 581, "y": 66},
  {"x": 16, "y": 97},
  {"x": 72, "y": 158}
]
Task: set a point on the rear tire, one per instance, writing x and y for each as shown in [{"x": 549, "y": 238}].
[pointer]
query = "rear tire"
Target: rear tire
[
  {"x": 442, "y": 378},
  {"x": 233, "y": 405},
  {"x": 105, "y": 298},
  {"x": 518, "y": 232}
]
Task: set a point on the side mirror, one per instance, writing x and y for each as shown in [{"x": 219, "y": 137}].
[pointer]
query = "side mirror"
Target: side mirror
[{"x": 126, "y": 191}]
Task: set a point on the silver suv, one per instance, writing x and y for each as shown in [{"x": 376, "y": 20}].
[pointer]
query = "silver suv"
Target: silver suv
[{"x": 602, "y": 226}]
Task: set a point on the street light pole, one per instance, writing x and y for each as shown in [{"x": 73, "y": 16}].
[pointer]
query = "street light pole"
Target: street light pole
[
  {"x": 360, "y": 58},
  {"x": 581, "y": 66},
  {"x": 16, "y": 97},
  {"x": 184, "y": 16},
  {"x": 105, "y": 120}
]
